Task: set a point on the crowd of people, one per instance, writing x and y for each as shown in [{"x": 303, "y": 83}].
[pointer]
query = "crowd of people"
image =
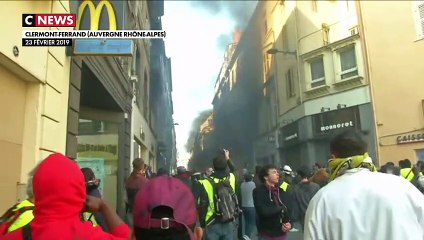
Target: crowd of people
[{"x": 346, "y": 200}]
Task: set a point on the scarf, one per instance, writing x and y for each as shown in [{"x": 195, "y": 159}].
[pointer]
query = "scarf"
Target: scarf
[
  {"x": 275, "y": 194},
  {"x": 339, "y": 166}
]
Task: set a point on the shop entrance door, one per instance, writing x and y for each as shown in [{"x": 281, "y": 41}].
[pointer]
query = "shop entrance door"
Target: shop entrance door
[{"x": 98, "y": 150}]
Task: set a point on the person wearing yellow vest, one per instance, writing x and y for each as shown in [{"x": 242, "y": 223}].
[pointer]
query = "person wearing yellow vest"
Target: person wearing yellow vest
[
  {"x": 25, "y": 208},
  {"x": 406, "y": 169},
  {"x": 287, "y": 176},
  {"x": 207, "y": 216}
]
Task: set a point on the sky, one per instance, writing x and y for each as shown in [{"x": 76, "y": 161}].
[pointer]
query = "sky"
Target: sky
[{"x": 193, "y": 41}]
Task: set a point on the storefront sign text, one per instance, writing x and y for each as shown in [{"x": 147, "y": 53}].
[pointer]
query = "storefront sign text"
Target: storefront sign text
[
  {"x": 410, "y": 138},
  {"x": 337, "y": 126},
  {"x": 293, "y": 136}
]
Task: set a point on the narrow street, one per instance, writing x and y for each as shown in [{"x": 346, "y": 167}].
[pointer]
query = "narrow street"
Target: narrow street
[{"x": 279, "y": 108}]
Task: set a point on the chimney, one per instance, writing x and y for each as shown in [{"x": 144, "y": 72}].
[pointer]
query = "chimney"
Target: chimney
[{"x": 237, "y": 35}]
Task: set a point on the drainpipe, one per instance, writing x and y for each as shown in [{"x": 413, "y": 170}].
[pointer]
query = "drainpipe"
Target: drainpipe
[
  {"x": 298, "y": 63},
  {"x": 367, "y": 68}
]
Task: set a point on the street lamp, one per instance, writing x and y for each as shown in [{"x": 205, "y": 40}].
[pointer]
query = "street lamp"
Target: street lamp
[{"x": 275, "y": 50}]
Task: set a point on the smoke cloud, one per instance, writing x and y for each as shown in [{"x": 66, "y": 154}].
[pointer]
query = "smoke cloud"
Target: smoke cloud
[
  {"x": 195, "y": 128},
  {"x": 239, "y": 11}
]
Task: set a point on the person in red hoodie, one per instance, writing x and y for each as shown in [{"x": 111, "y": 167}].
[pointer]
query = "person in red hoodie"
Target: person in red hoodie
[{"x": 60, "y": 196}]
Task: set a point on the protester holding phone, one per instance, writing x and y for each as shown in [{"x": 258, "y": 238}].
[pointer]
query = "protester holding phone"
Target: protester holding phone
[{"x": 92, "y": 186}]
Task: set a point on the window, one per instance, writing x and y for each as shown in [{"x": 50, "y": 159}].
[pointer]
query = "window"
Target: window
[
  {"x": 420, "y": 154},
  {"x": 285, "y": 39},
  {"x": 266, "y": 26},
  {"x": 267, "y": 64},
  {"x": 135, "y": 68},
  {"x": 419, "y": 18},
  {"x": 290, "y": 83},
  {"x": 232, "y": 79},
  {"x": 317, "y": 72},
  {"x": 348, "y": 62}
]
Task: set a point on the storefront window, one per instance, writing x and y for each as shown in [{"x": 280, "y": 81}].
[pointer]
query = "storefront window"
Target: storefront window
[
  {"x": 98, "y": 150},
  {"x": 420, "y": 154}
]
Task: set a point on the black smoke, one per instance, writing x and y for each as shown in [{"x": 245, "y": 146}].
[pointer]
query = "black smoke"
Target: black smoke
[
  {"x": 240, "y": 11},
  {"x": 195, "y": 128}
]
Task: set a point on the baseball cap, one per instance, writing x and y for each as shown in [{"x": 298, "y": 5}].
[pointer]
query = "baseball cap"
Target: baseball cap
[{"x": 165, "y": 191}]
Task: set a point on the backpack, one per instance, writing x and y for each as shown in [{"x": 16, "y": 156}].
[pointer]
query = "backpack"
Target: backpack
[
  {"x": 225, "y": 201},
  {"x": 10, "y": 216}
]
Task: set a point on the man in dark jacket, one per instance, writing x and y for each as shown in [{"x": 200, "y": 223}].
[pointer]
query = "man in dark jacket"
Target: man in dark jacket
[
  {"x": 303, "y": 193},
  {"x": 272, "y": 206},
  {"x": 207, "y": 215}
]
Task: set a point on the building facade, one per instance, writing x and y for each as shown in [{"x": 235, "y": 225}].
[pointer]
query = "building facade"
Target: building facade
[
  {"x": 395, "y": 70},
  {"x": 324, "y": 65},
  {"x": 237, "y": 91},
  {"x": 113, "y": 99},
  {"x": 100, "y": 106},
  {"x": 34, "y": 97},
  {"x": 161, "y": 103},
  {"x": 202, "y": 153},
  {"x": 314, "y": 70},
  {"x": 97, "y": 110}
]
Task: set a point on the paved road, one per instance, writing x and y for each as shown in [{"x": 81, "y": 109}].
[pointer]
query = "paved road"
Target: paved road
[{"x": 291, "y": 236}]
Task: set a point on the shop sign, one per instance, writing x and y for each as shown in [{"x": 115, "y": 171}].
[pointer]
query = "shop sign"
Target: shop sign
[
  {"x": 102, "y": 15},
  {"x": 291, "y": 137},
  {"x": 327, "y": 122},
  {"x": 410, "y": 138},
  {"x": 337, "y": 126},
  {"x": 289, "y": 134}
]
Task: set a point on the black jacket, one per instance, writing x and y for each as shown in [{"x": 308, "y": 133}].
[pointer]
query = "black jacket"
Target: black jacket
[
  {"x": 303, "y": 192},
  {"x": 98, "y": 216},
  {"x": 270, "y": 217}
]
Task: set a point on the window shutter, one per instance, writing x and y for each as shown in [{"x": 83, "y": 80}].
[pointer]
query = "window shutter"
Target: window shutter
[{"x": 290, "y": 83}]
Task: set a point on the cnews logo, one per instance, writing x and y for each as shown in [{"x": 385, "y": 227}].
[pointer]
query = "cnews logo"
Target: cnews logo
[
  {"x": 49, "y": 20},
  {"x": 96, "y": 14}
]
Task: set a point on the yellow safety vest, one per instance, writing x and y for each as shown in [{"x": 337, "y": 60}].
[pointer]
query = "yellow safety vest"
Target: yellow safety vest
[
  {"x": 209, "y": 190},
  {"x": 284, "y": 186},
  {"x": 89, "y": 217},
  {"x": 405, "y": 171},
  {"x": 25, "y": 217}
]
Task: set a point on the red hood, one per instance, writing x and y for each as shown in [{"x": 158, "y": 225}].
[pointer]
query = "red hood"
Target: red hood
[
  {"x": 59, "y": 192},
  {"x": 58, "y": 185}
]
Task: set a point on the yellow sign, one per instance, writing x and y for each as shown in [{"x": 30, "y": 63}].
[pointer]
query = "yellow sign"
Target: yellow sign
[{"x": 96, "y": 14}]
